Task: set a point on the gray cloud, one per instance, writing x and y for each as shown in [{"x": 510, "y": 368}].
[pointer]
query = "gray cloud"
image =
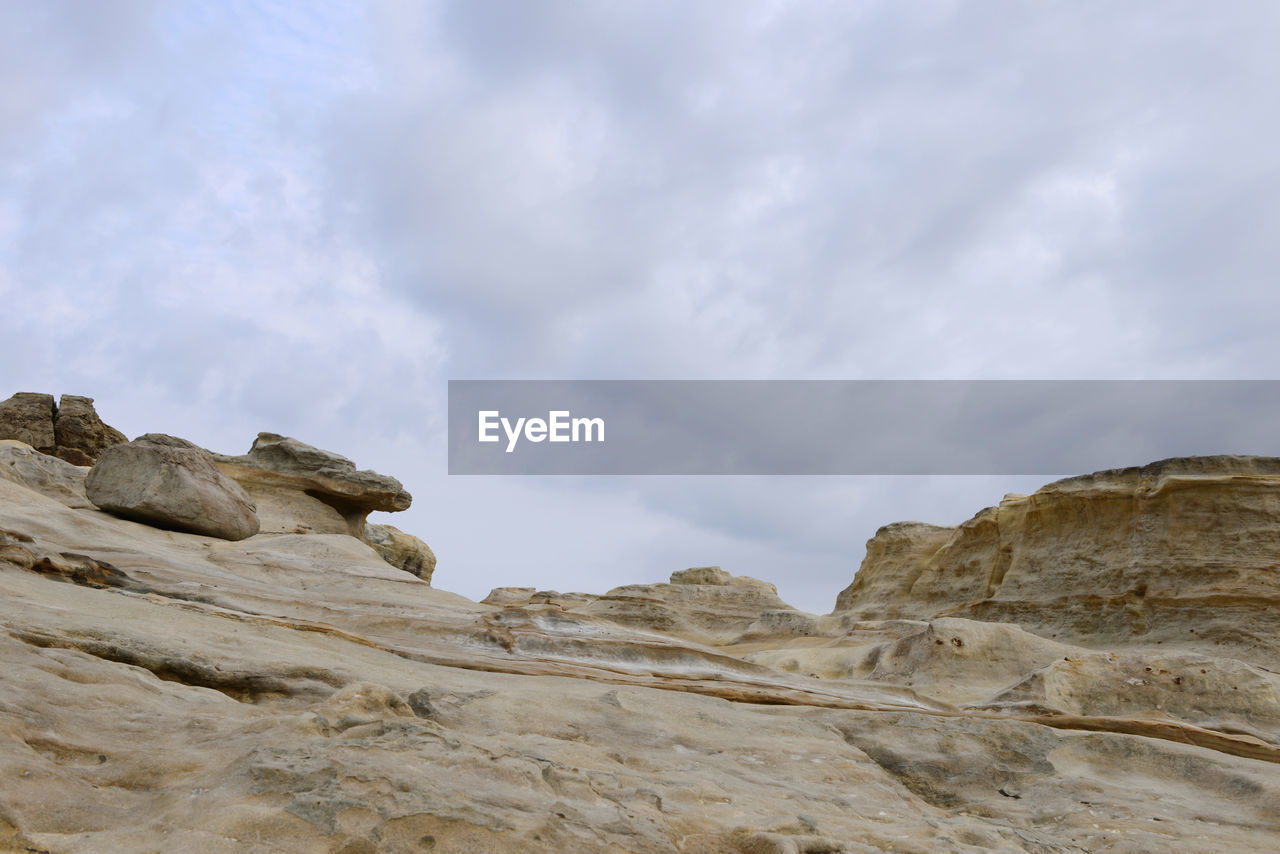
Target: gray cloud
[{"x": 225, "y": 217}]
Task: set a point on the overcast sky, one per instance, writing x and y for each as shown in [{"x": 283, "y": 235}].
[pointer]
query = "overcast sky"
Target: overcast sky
[{"x": 224, "y": 217}]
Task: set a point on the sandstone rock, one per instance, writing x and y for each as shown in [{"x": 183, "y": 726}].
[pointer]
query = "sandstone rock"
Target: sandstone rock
[
  {"x": 508, "y": 595},
  {"x": 702, "y": 575},
  {"x": 401, "y": 550},
  {"x": 72, "y": 430},
  {"x": 1182, "y": 552},
  {"x": 28, "y": 417},
  {"x": 170, "y": 483},
  {"x": 300, "y": 488},
  {"x": 896, "y": 556},
  {"x": 705, "y": 604},
  {"x": 79, "y": 433},
  {"x": 47, "y": 475},
  {"x": 295, "y": 693}
]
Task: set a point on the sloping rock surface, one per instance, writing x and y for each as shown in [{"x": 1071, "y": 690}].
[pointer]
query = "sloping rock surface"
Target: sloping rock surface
[
  {"x": 171, "y": 483},
  {"x": 164, "y": 690}
]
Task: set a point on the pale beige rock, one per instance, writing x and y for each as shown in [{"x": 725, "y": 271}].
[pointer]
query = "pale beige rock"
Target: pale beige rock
[
  {"x": 401, "y": 550},
  {"x": 509, "y": 595},
  {"x": 48, "y": 475},
  {"x": 286, "y": 509},
  {"x": 1182, "y": 552},
  {"x": 295, "y": 693},
  {"x": 283, "y": 473},
  {"x": 1214, "y": 693},
  {"x": 702, "y": 575},
  {"x": 720, "y": 611},
  {"x": 896, "y": 556},
  {"x": 165, "y": 481}
]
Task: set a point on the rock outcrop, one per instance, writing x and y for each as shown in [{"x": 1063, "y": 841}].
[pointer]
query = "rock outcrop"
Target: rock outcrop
[
  {"x": 71, "y": 430},
  {"x": 293, "y": 692},
  {"x": 1182, "y": 553},
  {"x": 302, "y": 489},
  {"x": 79, "y": 434},
  {"x": 170, "y": 483},
  {"x": 703, "y": 604},
  {"x": 28, "y": 417}
]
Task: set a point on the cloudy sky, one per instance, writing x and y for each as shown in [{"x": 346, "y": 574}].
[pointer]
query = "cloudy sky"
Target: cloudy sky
[{"x": 224, "y": 217}]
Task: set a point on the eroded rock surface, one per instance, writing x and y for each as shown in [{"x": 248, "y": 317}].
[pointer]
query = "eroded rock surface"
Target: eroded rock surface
[
  {"x": 70, "y": 430},
  {"x": 303, "y": 489},
  {"x": 1182, "y": 552},
  {"x": 79, "y": 434},
  {"x": 293, "y": 692},
  {"x": 401, "y": 550},
  {"x": 50, "y": 476},
  {"x": 28, "y": 417}
]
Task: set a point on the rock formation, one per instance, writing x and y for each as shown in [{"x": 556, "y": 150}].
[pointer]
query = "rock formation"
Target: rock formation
[
  {"x": 401, "y": 550},
  {"x": 294, "y": 692},
  {"x": 1182, "y": 553},
  {"x": 71, "y": 430},
  {"x": 703, "y": 604},
  {"x": 171, "y": 483},
  {"x": 79, "y": 433},
  {"x": 28, "y": 417},
  {"x": 302, "y": 489}
]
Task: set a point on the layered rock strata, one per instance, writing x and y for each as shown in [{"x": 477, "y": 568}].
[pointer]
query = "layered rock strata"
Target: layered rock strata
[
  {"x": 299, "y": 488},
  {"x": 1182, "y": 553},
  {"x": 701, "y": 604},
  {"x": 293, "y": 692}
]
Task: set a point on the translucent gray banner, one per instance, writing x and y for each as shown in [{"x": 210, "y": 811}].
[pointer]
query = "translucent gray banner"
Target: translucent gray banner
[{"x": 811, "y": 427}]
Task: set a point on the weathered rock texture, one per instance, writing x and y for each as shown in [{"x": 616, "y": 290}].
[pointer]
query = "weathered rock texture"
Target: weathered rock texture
[
  {"x": 401, "y": 550},
  {"x": 171, "y": 483},
  {"x": 79, "y": 433},
  {"x": 168, "y": 691},
  {"x": 71, "y": 430},
  {"x": 302, "y": 489},
  {"x": 28, "y": 417},
  {"x": 703, "y": 604},
  {"x": 1183, "y": 552},
  {"x": 50, "y": 476}
]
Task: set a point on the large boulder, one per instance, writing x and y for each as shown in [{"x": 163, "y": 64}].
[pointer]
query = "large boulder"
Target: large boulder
[
  {"x": 79, "y": 433},
  {"x": 28, "y": 417},
  {"x": 401, "y": 550},
  {"x": 170, "y": 483},
  {"x": 303, "y": 489}
]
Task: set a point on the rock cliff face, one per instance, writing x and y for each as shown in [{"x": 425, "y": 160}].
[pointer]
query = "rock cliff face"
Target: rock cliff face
[
  {"x": 1182, "y": 553},
  {"x": 296, "y": 692}
]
